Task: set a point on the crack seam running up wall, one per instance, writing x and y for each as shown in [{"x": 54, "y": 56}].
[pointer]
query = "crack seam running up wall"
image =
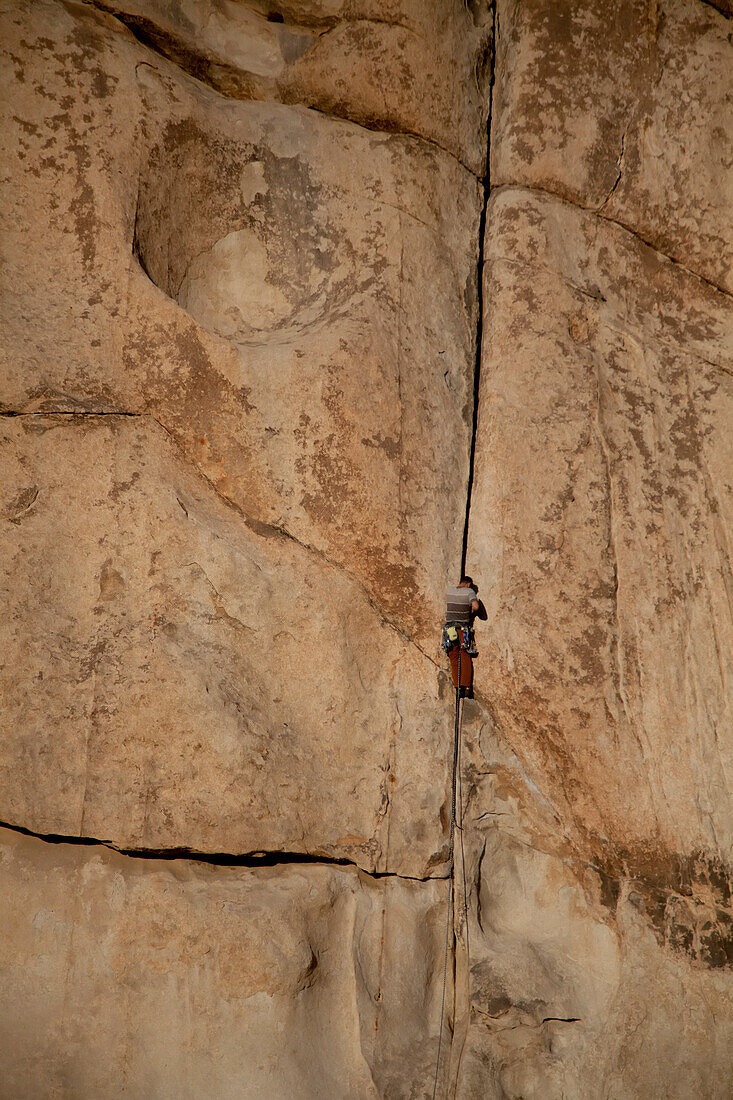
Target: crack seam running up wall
[
  {"x": 486, "y": 184},
  {"x": 459, "y": 1034},
  {"x": 479, "y": 336}
]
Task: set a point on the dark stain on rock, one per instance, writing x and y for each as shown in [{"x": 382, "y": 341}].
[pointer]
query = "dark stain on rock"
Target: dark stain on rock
[
  {"x": 590, "y": 648},
  {"x": 610, "y": 889},
  {"x": 391, "y": 447},
  {"x": 716, "y": 941},
  {"x": 445, "y": 686},
  {"x": 119, "y": 487},
  {"x": 21, "y": 504},
  {"x": 685, "y": 899},
  {"x": 173, "y": 225}
]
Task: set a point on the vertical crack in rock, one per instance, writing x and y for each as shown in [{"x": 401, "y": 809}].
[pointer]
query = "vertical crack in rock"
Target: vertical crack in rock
[
  {"x": 479, "y": 299},
  {"x": 462, "y": 981},
  {"x": 597, "y": 429},
  {"x": 137, "y": 249}
]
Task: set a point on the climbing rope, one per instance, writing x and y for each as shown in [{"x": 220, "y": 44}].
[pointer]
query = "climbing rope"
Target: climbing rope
[
  {"x": 445, "y": 982},
  {"x": 460, "y": 831},
  {"x": 455, "y": 823}
]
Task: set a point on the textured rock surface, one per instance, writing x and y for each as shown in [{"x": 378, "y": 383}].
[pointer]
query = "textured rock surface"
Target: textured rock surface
[
  {"x": 608, "y": 374},
  {"x": 384, "y": 66},
  {"x": 252, "y": 279},
  {"x": 240, "y": 324},
  {"x": 236, "y": 335},
  {"x": 628, "y": 116},
  {"x": 212, "y": 981},
  {"x": 184, "y": 718},
  {"x": 292, "y": 296},
  {"x": 582, "y": 985},
  {"x": 601, "y": 512}
]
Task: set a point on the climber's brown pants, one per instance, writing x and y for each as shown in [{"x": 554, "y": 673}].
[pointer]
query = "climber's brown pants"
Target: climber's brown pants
[{"x": 466, "y": 667}]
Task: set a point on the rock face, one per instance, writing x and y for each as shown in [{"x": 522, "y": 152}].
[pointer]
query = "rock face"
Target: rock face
[
  {"x": 168, "y": 587},
  {"x": 628, "y": 117},
  {"x": 601, "y": 512},
  {"x": 257, "y": 264},
  {"x": 211, "y": 981}
]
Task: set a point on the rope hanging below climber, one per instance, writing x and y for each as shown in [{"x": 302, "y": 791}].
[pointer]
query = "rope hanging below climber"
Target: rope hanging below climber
[{"x": 462, "y": 607}]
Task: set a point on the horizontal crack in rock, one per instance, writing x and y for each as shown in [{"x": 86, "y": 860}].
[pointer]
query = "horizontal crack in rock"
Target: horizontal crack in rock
[{"x": 220, "y": 859}]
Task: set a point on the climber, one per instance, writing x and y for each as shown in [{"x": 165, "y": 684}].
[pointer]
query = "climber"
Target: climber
[{"x": 462, "y": 607}]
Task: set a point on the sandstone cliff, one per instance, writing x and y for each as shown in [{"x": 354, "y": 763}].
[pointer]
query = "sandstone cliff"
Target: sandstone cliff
[{"x": 300, "y": 303}]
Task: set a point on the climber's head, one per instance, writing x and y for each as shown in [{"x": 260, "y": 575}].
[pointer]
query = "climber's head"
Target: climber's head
[{"x": 467, "y": 582}]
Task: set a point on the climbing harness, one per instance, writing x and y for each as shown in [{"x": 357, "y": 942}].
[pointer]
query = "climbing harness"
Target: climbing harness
[
  {"x": 456, "y": 823},
  {"x": 454, "y": 634}
]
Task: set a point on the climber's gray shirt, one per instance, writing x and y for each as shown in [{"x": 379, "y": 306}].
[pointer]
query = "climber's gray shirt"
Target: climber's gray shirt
[{"x": 458, "y": 605}]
